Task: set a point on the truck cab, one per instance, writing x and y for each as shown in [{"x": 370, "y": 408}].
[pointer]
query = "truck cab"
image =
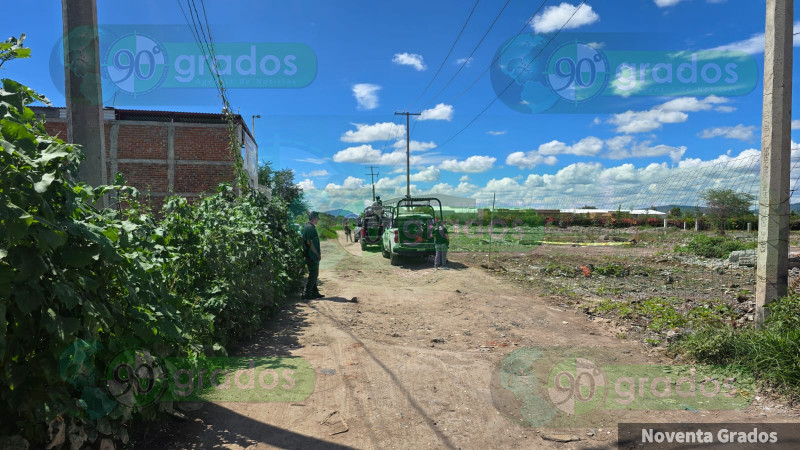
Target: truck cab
[{"x": 410, "y": 231}]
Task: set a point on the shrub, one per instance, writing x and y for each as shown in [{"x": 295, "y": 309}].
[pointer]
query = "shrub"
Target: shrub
[
  {"x": 714, "y": 246},
  {"x": 78, "y": 285}
]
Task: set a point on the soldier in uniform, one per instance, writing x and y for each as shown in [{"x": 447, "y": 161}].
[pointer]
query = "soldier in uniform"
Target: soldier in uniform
[{"x": 312, "y": 254}]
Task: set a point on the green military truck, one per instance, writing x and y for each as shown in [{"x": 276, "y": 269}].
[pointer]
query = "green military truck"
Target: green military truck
[
  {"x": 410, "y": 233},
  {"x": 370, "y": 225}
]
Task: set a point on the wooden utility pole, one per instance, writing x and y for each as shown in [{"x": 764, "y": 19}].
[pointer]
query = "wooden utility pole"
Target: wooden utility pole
[
  {"x": 373, "y": 176},
  {"x": 84, "y": 96},
  {"x": 773, "y": 210},
  {"x": 408, "y": 149}
]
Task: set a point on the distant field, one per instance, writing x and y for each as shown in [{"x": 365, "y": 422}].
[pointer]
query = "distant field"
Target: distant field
[{"x": 479, "y": 239}]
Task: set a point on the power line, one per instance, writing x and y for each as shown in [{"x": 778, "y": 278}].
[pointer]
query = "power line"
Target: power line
[
  {"x": 470, "y": 55},
  {"x": 496, "y": 58},
  {"x": 475, "y": 81},
  {"x": 512, "y": 81},
  {"x": 196, "y": 35},
  {"x": 463, "y": 27}
]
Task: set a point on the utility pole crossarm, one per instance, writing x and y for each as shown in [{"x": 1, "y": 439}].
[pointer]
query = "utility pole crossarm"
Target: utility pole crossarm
[
  {"x": 373, "y": 176},
  {"x": 408, "y": 149}
]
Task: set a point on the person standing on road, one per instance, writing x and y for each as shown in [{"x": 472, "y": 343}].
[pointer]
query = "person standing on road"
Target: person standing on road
[
  {"x": 312, "y": 254},
  {"x": 441, "y": 241},
  {"x": 347, "y": 231}
]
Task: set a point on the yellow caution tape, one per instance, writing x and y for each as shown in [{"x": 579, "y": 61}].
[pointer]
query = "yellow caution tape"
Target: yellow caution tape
[{"x": 595, "y": 244}]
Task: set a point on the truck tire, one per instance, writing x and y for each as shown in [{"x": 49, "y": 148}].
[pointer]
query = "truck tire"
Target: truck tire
[{"x": 394, "y": 259}]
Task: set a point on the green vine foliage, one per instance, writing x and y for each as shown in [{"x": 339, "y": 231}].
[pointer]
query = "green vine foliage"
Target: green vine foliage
[{"x": 79, "y": 285}]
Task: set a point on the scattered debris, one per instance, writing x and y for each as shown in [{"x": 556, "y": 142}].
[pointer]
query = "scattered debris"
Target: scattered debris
[
  {"x": 328, "y": 371},
  {"x": 672, "y": 335},
  {"x": 745, "y": 258},
  {"x": 337, "y": 426},
  {"x": 560, "y": 437},
  {"x": 437, "y": 340}
]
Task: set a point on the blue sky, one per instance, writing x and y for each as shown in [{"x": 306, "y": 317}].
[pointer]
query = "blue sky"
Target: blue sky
[{"x": 375, "y": 57}]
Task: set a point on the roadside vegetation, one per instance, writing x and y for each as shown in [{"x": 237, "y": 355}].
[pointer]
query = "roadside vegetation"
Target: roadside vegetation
[
  {"x": 80, "y": 284},
  {"x": 772, "y": 352}
]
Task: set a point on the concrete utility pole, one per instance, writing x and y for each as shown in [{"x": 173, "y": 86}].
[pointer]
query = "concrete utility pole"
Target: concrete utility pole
[
  {"x": 84, "y": 96},
  {"x": 373, "y": 176},
  {"x": 253, "y": 121},
  {"x": 772, "y": 270},
  {"x": 408, "y": 150}
]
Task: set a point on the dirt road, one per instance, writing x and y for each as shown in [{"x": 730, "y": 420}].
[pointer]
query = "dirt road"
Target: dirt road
[{"x": 411, "y": 364}]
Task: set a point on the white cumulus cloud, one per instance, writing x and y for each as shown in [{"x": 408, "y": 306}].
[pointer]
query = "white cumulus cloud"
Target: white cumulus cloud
[
  {"x": 414, "y": 146},
  {"x": 410, "y": 59},
  {"x": 306, "y": 185},
  {"x": 473, "y": 164},
  {"x": 673, "y": 111},
  {"x": 375, "y": 132},
  {"x": 529, "y": 160},
  {"x": 438, "y": 112},
  {"x": 740, "y": 132},
  {"x": 665, "y": 3},
  {"x": 554, "y": 17},
  {"x": 428, "y": 174},
  {"x": 366, "y": 95},
  {"x": 366, "y": 154},
  {"x": 755, "y": 43},
  {"x": 316, "y": 173}
]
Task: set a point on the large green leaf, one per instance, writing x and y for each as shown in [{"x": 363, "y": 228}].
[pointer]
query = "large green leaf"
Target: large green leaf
[
  {"x": 60, "y": 327},
  {"x": 7, "y": 275},
  {"x": 47, "y": 180},
  {"x": 66, "y": 294},
  {"x": 55, "y": 151},
  {"x": 31, "y": 265},
  {"x": 52, "y": 238},
  {"x": 79, "y": 257},
  {"x": 17, "y": 225},
  {"x": 2, "y": 330},
  {"x": 28, "y": 300}
]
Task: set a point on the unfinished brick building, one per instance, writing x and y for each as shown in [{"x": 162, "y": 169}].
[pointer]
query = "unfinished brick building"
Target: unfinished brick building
[{"x": 165, "y": 153}]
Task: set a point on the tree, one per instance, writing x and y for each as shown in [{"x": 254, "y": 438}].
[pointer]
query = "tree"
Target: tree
[
  {"x": 589, "y": 207},
  {"x": 675, "y": 212},
  {"x": 282, "y": 184},
  {"x": 727, "y": 204}
]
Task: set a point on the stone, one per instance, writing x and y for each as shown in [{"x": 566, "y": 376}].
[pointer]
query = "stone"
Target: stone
[
  {"x": 672, "y": 335},
  {"x": 560, "y": 437},
  {"x": 746, "y": 258}
]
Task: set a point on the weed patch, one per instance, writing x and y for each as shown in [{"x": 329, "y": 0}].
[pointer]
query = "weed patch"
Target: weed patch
[
  {"x": 771, "y": 352},
  {"x": 714, "y": 246}
]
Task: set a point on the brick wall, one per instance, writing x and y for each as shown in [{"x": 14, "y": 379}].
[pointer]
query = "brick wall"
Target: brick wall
[
  {"x": 141, "y": 142},
  {"x": 204, "y": 144},
  {"x": 199, "y": 160}
]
